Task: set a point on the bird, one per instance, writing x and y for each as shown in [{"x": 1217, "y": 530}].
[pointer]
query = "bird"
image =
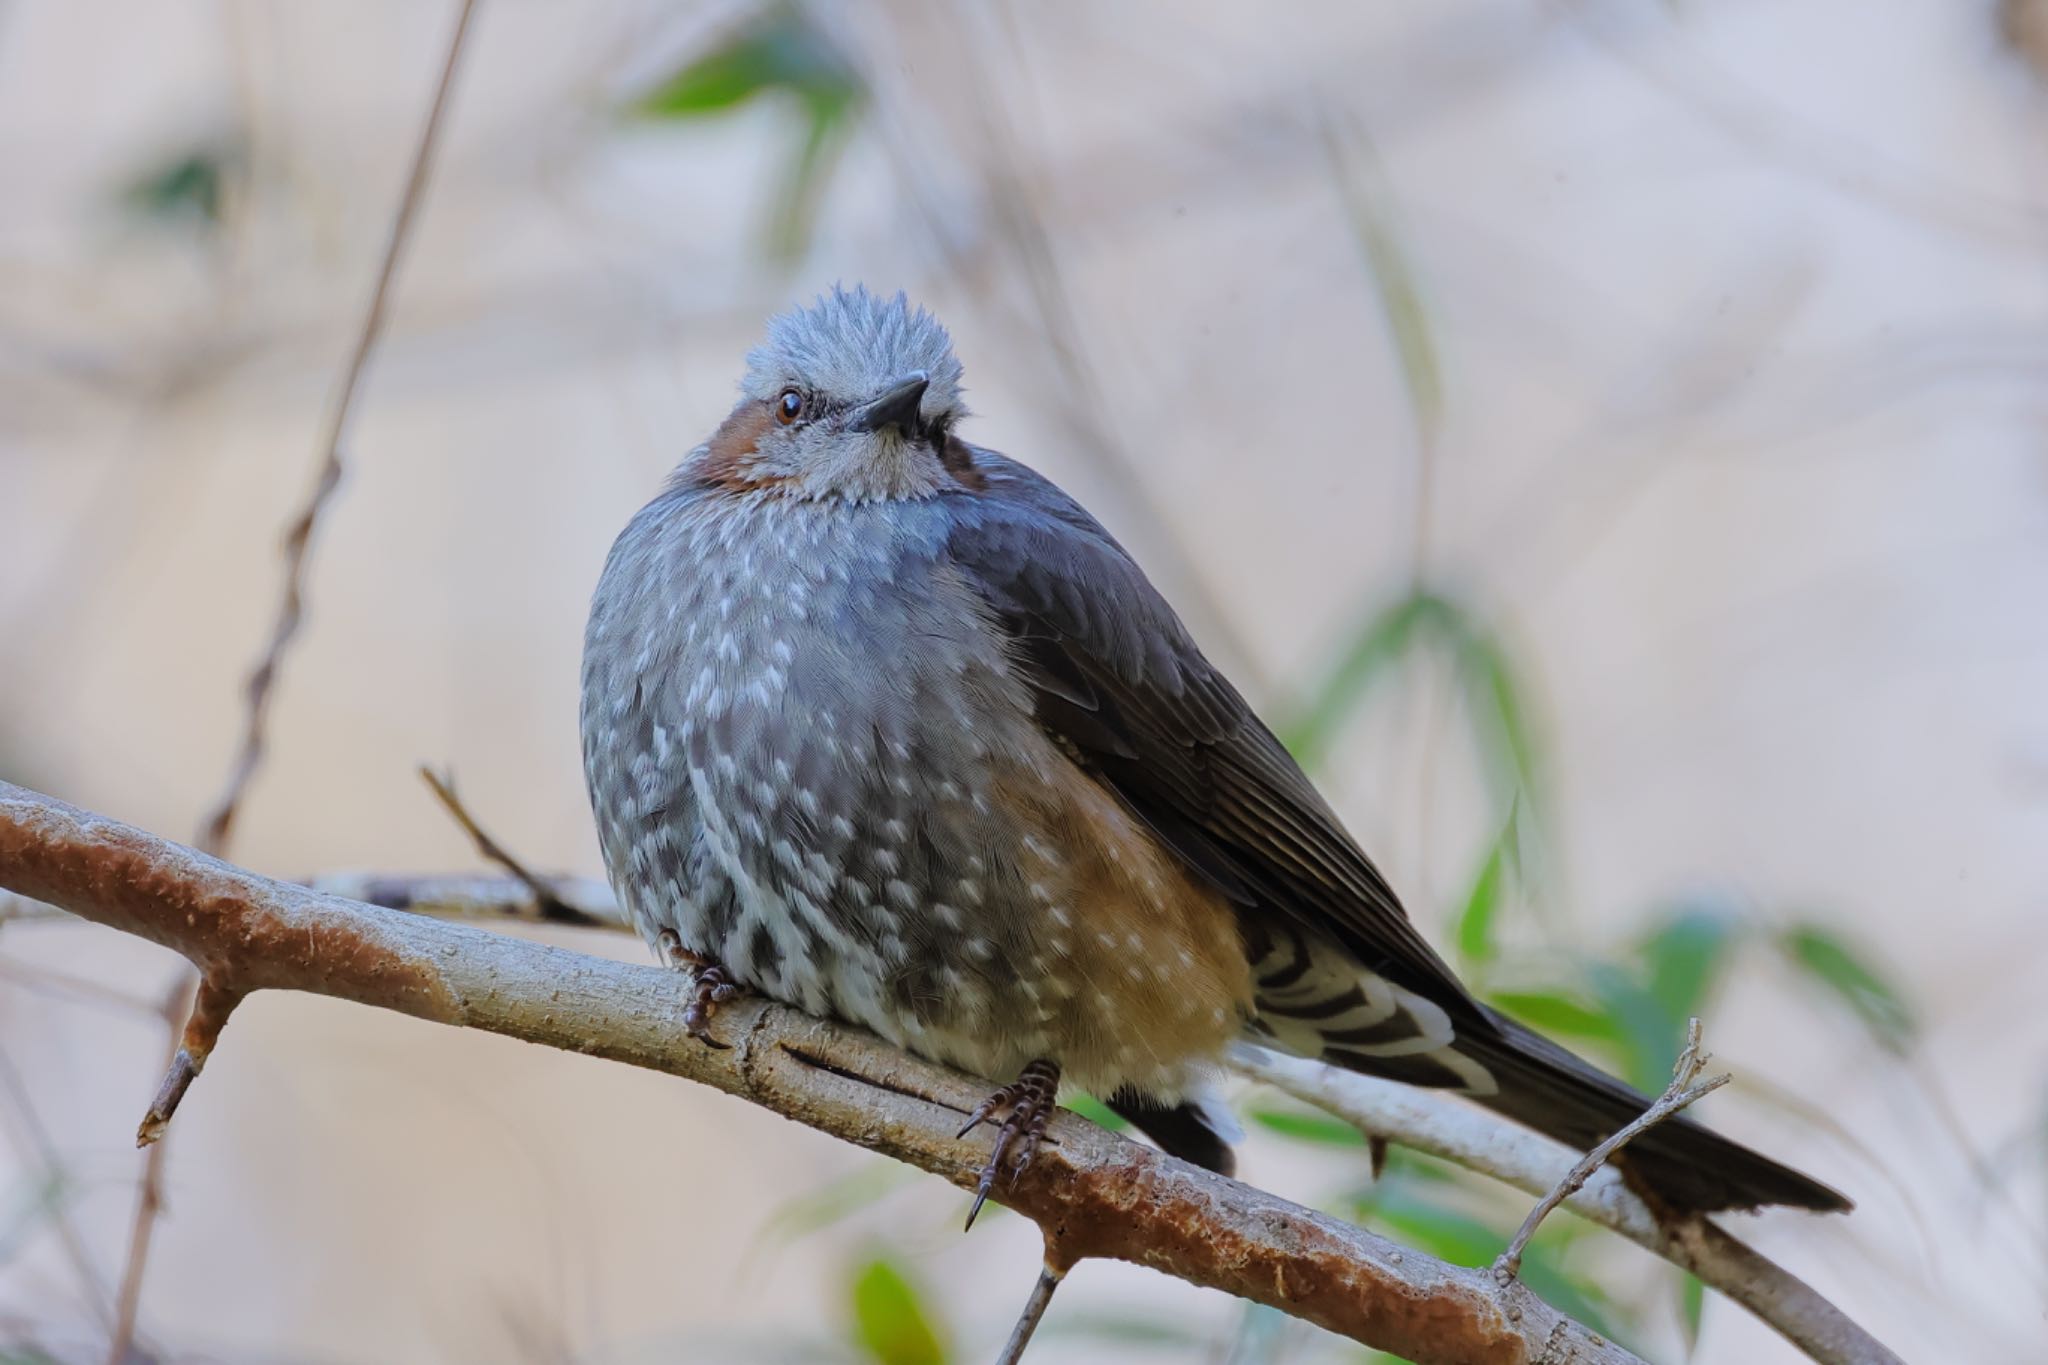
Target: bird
[{"x": 884, "y": 725}]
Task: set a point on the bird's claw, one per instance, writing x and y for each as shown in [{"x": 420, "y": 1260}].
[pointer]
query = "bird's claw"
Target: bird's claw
[
  {"x": 711, "y": 989},
  {"x": 710, "y": 986},
  {"x": 1026, "y": 1105}
]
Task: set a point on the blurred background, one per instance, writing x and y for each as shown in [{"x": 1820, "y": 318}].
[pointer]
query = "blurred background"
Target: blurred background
[{"x": 1609, "y": 438}]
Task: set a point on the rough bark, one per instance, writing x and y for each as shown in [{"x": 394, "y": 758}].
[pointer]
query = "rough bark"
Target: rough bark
[{"x": 1092, "y": 1193}]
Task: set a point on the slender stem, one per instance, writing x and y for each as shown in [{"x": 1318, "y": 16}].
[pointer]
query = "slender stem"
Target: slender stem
[
  {"x": 547, "y": 904},
  {"x": 1681, "y": 1092},
  {"x": 1028, "y": 1320},
  {"x": 218, "y": 825}
]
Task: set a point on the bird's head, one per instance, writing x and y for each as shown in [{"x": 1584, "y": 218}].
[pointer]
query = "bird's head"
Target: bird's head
[{"x": 853, "y": 397}]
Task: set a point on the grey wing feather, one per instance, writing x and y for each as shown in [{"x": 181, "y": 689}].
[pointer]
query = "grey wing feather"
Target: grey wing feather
[{"x": 1116, "y": 675}]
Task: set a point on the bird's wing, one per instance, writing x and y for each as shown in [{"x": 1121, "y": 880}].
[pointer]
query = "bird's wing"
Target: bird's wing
[{"x": 1116, "y": 677}]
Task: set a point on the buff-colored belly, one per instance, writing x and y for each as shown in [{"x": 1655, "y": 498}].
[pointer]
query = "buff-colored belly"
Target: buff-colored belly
[{"x": 1135, "y": 969}]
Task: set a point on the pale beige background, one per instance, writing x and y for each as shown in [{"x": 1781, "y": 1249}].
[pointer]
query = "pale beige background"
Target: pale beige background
[{"x": 1742, "y": 313}]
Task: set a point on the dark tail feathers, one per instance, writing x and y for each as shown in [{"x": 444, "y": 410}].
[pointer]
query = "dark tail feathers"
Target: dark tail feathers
[
  {"x": 1687, "y": 1166},
  {"x": 1185, "y": 1129}
]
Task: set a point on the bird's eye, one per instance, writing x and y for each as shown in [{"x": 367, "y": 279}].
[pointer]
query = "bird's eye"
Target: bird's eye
[{"x": 789, "y": 407}]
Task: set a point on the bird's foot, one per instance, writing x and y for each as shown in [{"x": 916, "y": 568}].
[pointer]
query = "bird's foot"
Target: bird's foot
[
  {"x": 1026, "y": 1106},
  {"x": 710, "y": 986}
]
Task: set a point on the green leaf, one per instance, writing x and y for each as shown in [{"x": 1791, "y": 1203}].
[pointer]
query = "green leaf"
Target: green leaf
[
  {"x": 1492, "y": 692},
  {"x": 1444, "y": 1233},
  {"x": 1692, "y": 1306},
  {"x": 1562, "y": 1013},
  {"x": 803, "y": 183},
  {"x": 1318, "y": 1128},
  {"x": 1098, "y": 1113},
  {"x": 890, "y": 1324},
  {"x": 779, "y": 51},
  {"x": 189, "y": 187},
  {"x": 1493, "y": 695},
  {"x": 1877, "y": 1003},
  {"x": 1379, "y": 644},
  {"x": 1639, "y": 1013},
  {"x": 1417, "y": 1217},
  {"x": 1685, "y": 957},
  {"x": 1473, "y": 929},
  {"x": 1414, "y": 1169},
  {"x": 1648, "y": 1038},
  {"x": 1369, "y": 206}
]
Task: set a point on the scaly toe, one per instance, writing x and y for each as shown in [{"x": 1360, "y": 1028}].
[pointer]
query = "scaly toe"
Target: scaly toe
[
  {"x": 711, "y": 989},
  {"x": 1026, "y": 1105}
]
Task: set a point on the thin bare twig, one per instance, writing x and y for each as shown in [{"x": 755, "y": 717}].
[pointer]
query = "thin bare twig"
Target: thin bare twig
[
  {"x": 210, "y": 1011},
  {"x": 262, "y": 681},
  {"x": 1020, "y": 230},
  {"x": 207, "y": 1015},
  {"x": 1445, "y": 1127},
  {"x": 546, "y": 904},
  {"x": 469, "y": 895},
  {"x": 149, "y": 1198},
  {"x": 1681, "y": 1092},
  {"x": 44, "y": 981},
  {"x": 36, "y": 1140},
  {"x": 1033, "y": 1314},
  {"x": 1092, "y": 1193}
]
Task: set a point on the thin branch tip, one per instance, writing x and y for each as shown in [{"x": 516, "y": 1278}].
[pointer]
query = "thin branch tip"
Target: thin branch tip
[
  {"x": 212, "y": 1003},
  {"x": 548, "y": 903},
  {"x": 217, "y": 827},
  {"x": 1034, "y": 1312},
  {"x": 1685, "y": 1088},
  {"x": 183, "y": 1071}
]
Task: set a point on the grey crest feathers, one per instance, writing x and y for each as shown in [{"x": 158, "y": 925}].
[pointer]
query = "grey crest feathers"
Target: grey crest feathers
[{"x": 851, "y": 345}]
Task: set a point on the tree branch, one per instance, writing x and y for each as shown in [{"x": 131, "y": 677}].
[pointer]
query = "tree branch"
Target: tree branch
[
  {"x": 1425, "y": 1121},
  {"x": 1681, "y": 1092},
  {"x": 209, "y": 1012},
  {"x": 1091, "y": 1193},
  {"x": 1442, "y": 1126},
  {"x": 546, "y": 904}
]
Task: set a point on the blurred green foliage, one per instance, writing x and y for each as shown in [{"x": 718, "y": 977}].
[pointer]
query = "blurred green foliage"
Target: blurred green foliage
[
  {"x": 187, "y": 188},
  {"x": 1094, "y": 1110},
  {"x": 1473, "y": 929},
  {"x": 28, "y": 1208},
  {"x": 1369, "y": 211},
  {"x": 831, "y": 1203},
  {"x": 890, "y": 1320},
  {"x": 1626, "y": 1008},
  {"x": 778, "y": 52},
  {"x": 1841, "y": 967},
  {"x": 1423, "y": 621}
]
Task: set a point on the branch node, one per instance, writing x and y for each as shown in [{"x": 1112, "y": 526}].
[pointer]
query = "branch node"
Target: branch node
[
  {"x": 1685, "y": 1088},
  {"x": 210, "y": 1011}
]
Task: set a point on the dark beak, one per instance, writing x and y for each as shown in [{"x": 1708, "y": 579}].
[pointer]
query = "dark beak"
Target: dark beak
[{"x": 895, "y": 408}]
